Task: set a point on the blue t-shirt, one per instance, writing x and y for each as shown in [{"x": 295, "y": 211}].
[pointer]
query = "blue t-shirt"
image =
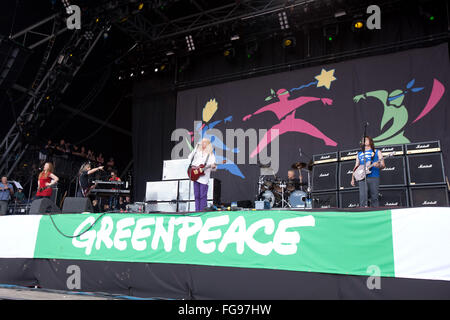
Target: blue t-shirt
[
  {"x": 370, "y": 157},
  {"x": 5, "y": 194}
]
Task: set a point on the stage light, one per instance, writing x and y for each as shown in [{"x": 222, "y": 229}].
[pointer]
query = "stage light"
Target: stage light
[
  {"x": 340, "y": 13},
  {"x": 358, "y": 24},
  {"x": 141, "y": 6},
  {"x": 282, "y": 17},
  {"x": 330, "y": 32},
  {"x": 235, "y": 37},
  {"x": 229, "y": 52},
  {"x": 156, "y": 69},
  {"x": 132, "y": 74},
  {"x": 190, "y": 43},
  {"x": 289, "y": 42}
]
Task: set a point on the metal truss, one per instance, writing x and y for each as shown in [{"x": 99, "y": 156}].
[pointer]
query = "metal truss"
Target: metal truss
[
  {"x": 41, "y": 32},
  {"x": 47, "y": 90},
  {"x": 143, "y": 30}
]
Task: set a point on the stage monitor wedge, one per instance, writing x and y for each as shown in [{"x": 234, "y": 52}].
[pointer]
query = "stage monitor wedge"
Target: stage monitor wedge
[
  {"x": 44, "y": 206},
  {"x": 77, "y": 205}
]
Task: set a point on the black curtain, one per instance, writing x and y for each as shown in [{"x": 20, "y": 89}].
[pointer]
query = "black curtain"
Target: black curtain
[{"x": 153, "y": 123}]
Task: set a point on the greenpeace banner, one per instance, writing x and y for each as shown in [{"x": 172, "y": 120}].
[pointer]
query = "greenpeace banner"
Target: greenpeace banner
[
  {"x": 287, "y": 117},
  {"x": 409, "y": 243}
]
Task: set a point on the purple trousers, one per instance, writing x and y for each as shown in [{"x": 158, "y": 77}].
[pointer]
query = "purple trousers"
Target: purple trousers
[{"x": 200, "y": 194}]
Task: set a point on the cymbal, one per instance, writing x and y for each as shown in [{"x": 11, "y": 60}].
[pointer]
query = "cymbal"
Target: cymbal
[{"x": 299, "y": 165}]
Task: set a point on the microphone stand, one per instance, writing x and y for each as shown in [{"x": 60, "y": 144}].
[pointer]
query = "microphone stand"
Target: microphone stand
[{"x": 365, "y": 172}]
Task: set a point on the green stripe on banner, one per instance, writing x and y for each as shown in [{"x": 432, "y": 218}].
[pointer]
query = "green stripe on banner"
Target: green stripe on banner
[{"x": 330, "y": 242}]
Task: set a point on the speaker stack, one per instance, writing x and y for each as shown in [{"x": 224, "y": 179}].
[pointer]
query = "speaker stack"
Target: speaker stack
[
  {"x": 426, "y": 176},
  {"x": 325, "y": 180},
  {"x": 413, "y": 176}
]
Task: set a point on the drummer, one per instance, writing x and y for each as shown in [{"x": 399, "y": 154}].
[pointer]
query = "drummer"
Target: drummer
[{"x": 292, "y": 180}]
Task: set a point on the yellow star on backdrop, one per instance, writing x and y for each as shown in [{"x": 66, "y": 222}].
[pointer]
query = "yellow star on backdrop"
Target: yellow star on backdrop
[{"x": 325, "y": 78}]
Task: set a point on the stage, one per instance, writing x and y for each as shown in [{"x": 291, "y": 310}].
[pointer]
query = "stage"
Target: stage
[{"x": 274, "y": 254}]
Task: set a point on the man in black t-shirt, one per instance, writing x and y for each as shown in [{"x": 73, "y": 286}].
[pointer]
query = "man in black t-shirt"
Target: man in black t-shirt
[{"x": 83, "y": 179}]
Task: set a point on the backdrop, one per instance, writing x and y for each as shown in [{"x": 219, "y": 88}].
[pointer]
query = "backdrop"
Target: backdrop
[{"x": 402, "y": 96}]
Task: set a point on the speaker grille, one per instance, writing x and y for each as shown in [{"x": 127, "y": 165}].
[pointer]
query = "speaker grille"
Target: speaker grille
[
  {"x": 394, "y": 174},
  {"x": 425, "y": 169},
  {"x": 325, "y": 177},
  {"x": 435, "y": 196}
]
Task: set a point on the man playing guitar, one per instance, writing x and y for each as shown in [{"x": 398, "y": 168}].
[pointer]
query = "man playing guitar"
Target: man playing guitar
[
  {"x": 83, "y": 182},
  {"x": 367, "y": 156}
]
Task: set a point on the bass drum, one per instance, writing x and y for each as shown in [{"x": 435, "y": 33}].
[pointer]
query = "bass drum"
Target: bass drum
[
  {"x": 269, "y": 196},
  {"x": 297, "y": 199}
]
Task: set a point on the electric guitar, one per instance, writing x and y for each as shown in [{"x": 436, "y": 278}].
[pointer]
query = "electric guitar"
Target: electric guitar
[
  {"x": 44, "y": 188},
  {"x": 359, "y": 172},
  {"x": 195, "y": 172},
  {"x": 88, "y": 190}
]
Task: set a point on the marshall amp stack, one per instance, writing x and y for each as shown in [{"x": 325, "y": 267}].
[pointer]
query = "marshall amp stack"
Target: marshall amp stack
[
  {"x": 414, "y": 176},
  {"x": 325, "y": 180}
]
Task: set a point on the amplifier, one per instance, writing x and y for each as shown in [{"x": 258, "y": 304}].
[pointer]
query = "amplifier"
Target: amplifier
[
  {"x": 325, "y": 200},
  {"x": 162, "y": 206},
  {"x": 324, "y": 177},
  {"x": 345, "y": 175},
  {"x": 325, "y": 157},
  {"x": 425, "y": 169},
  {"x": 349, "y": 199},
  {"x": 394, "y": 174},
  {"x": 175, "y": 169},
  {"x": 348, "y": 154},
  {"x": 397, "y": 149},
  {"x": 435, "y": 196},
  {"x": 161, "y": 191},
  {"x": 393, "y": 197},
  {"x": 423, "y": 147}
]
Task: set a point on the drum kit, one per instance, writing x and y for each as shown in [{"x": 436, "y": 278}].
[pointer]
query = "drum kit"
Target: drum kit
[{"x": 286, "y": 193}]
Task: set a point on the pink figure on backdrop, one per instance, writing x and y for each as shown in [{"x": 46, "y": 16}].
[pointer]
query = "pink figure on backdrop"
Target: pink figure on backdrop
[{"x": 284, "y": 110}]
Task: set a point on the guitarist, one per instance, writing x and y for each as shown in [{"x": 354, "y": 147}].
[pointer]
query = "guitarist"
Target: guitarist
[
  {"x": 83, "y": 175},
  {"x": 46, "y": 180},
  {"x": 202, "y": 154},
  {"x": 367, "y": 156}
]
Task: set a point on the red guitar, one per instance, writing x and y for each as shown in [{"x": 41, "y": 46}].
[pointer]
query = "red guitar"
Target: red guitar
[{"x": 195, "y": 172}]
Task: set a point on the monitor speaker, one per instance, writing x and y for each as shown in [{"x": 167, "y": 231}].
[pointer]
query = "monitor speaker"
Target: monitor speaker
[
  {"x": 425, "y": 169},
  {"x": 435, "y": 196},
  {"x": 325, "y": 177},
  {"x": 43, "y": 206},
  {"x": 77, "y": 205}
]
